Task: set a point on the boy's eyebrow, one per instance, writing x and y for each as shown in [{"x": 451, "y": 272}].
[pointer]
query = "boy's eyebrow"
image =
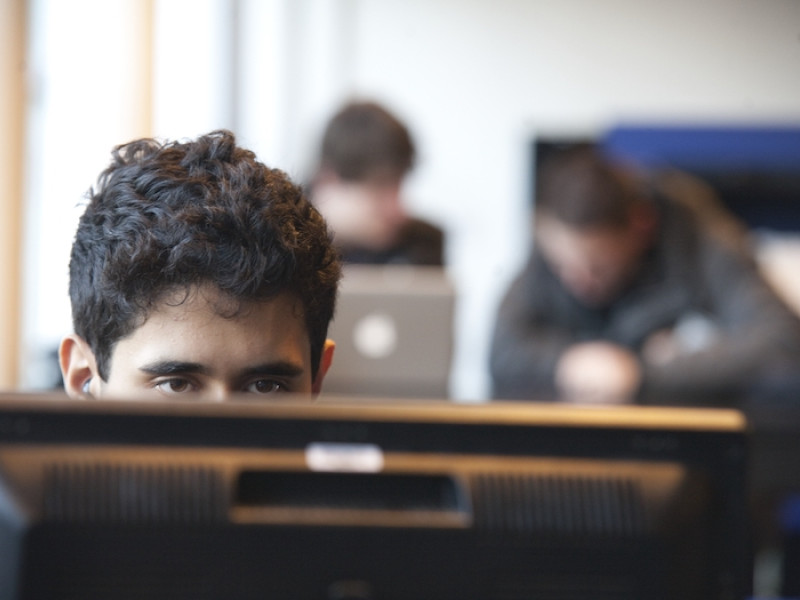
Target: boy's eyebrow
[
  {"x": 279, "y": 368},
  {"x": 171, "y": 367}
]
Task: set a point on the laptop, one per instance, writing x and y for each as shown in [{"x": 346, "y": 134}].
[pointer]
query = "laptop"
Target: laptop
[{"x": 393, "y": 330}]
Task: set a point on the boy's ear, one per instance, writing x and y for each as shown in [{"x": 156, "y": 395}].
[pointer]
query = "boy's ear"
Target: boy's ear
[
  {"x": 324, "y": 364},
  {"x": 78, "y": 366}
]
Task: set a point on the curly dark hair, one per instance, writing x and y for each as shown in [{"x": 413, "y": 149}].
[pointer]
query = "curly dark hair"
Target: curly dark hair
[{"x": 169, "y": 216}]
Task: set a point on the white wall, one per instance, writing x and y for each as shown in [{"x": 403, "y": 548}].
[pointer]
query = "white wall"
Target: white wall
[{"x": 476, "y": 79}]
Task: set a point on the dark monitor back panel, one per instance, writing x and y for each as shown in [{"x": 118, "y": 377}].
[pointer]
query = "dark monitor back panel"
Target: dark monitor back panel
[{"x": 341, "y": 499}]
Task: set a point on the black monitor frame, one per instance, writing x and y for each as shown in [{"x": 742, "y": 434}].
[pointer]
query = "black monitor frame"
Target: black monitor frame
[{"x": 345, "y": 499}]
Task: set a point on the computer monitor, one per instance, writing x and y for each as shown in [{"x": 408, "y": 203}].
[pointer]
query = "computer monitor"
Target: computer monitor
[{"x": 387, "y": 500}]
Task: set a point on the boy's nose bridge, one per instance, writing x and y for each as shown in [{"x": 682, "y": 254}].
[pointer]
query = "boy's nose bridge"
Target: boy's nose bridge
[{"x": 218, "y": 392}]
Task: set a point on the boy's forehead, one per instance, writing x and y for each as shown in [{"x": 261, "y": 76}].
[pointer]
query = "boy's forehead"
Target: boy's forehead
[
  {"x": 205, "y": 320},
  {"x": 210, "y": 299}
]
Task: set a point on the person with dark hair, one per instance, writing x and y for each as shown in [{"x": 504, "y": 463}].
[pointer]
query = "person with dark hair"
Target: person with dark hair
[
  {"x": 364, "y": 157},
  {"x": 638, "y": 289},
  {"x": 197, "y": 271}
]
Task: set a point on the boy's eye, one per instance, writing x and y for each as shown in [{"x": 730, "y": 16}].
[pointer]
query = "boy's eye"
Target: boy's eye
[
  {"x": 175, "y": 385},
  {"x": 265, "y": 386}
]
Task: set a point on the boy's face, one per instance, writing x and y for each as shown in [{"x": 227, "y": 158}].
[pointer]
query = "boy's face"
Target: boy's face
[{"x": 187, "y": 350}]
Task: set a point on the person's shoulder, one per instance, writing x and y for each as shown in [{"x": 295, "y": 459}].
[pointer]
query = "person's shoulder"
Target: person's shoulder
[
  {"x": 416, "y": 227},
  {"x": 698, "y": 205},
  {"x": 417, "y": 232},
  {"x": 421, "y": 242}
]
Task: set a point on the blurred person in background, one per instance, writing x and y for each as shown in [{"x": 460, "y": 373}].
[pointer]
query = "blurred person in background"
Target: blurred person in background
[
  {"x": 365, "y": 154},
  {"x": 637, "y": 290}
]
